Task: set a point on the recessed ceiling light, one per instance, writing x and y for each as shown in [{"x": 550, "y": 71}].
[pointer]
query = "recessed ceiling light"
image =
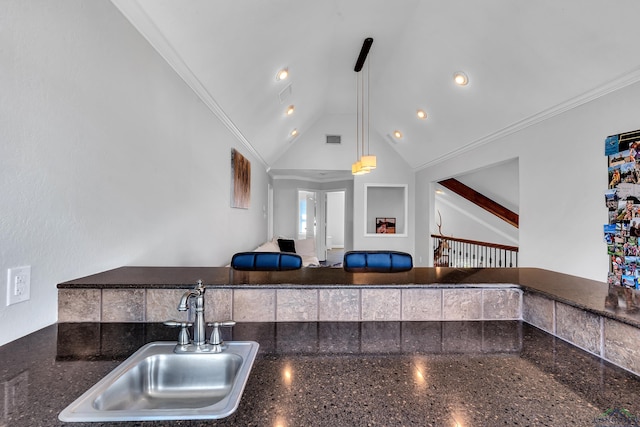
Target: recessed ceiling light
[
  {"x": 282, "y": 74},
  {"x": 439, "y": 192},
  {"x": 421, "y": 114},
  {"x": 294, "y": 132},
  {"x": 290, "y": 109},
  {"x": 460, "y": 78},
  {"x": 397, "y": 134}
]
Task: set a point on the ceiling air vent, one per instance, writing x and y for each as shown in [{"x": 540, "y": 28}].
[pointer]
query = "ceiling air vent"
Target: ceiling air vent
[
  {"x": 334, "y": 139},
  {"x": 285, "y": 94}
]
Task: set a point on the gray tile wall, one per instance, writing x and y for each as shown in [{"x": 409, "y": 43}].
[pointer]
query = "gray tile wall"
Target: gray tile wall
[
  {"x": 607, "y": 338},
  {"x": 293, "y": 305},
  {"x": 614, "y": 341},
  {"x": 579, "y": 327},
  {"x": 352, "y": 338},
  {"x": 339, "y": 305},
  {"x": 79, "y": 305},
  {"x": 539, "y": 311},
  {"x": 621, "y": 345},
  {"x": 462, "y": 304}
]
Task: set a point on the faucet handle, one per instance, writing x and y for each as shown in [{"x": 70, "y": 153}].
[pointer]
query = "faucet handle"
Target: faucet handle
[
  {"x": 177, "y": 323},
  {"x": 216, "y": 338},
  {"x": 183, "y": 337},
  {"x": 223, "y": 323}
]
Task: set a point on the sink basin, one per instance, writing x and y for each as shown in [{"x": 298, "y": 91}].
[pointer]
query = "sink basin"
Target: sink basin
[{"x": 157, "y": 384}]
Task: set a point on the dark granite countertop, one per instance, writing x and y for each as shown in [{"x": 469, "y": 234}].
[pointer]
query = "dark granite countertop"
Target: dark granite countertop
[
  {"x": 158, "y": 277},
  {"x": 342, "y": 374},
  {"x": 583, "y": 293}
]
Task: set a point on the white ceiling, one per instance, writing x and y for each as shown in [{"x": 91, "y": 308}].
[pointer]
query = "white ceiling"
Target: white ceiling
[{"x": 526, "y": 61}]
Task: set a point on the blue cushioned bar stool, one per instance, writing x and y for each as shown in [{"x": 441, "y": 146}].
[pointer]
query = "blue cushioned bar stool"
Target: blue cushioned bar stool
[
  {"x": 377, "y": 261},
  {"x": 266, "y": 261}
]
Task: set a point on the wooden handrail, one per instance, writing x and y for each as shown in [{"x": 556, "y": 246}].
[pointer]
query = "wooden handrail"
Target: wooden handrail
[{"x": 476, "y": 242}]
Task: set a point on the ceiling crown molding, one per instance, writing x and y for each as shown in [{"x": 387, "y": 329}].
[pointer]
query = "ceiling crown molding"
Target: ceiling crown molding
[
  {"x": 623, "y": 81},
  {"x": 134, "y": 13},
  {"x": 309, "y": 178}
]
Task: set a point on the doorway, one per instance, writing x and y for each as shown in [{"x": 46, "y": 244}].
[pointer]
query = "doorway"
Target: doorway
[
  {"x": 321, "y": 216},
  {"x": 307, "y": 224},
  {"x": 334, "y": 225}
]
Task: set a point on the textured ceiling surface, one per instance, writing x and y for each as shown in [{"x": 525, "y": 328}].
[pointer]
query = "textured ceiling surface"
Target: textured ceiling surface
[{"x": 525, "y": 61}]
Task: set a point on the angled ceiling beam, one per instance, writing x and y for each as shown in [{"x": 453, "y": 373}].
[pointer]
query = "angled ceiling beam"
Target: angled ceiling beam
[
  {"x": 481, "y": 200},
  {"x": 366, "y": 45}
]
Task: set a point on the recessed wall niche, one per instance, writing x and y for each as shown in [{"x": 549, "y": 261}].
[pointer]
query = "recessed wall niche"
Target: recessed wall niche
[{"x": 386, "y": 210}]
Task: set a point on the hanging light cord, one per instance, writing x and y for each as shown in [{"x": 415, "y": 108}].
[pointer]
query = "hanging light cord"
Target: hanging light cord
[
  {"x": 368, "y": 104},
  {"x": 362, "y": 110},
  {"x": 357, "y": 117}
]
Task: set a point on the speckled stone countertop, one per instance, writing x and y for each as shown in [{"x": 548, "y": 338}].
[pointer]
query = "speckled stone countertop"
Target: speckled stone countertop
[
  {"x": 583, "y": 293},
  {"x": 344, "y": 374}
]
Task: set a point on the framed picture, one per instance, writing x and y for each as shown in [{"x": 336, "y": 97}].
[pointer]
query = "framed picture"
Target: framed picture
[
  {"x": 385, "y": 226},
  {"x": 240, "y": 180}
]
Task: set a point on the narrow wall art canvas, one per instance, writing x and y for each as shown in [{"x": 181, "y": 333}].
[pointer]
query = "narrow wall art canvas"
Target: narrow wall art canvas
[{"x": 240, "y": 180}]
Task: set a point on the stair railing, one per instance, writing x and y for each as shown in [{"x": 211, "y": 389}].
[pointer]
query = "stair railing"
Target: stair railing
[{"x": 464, "y": 253}]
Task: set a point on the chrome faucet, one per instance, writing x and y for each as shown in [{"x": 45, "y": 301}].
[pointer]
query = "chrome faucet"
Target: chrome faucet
[
  {"x": 199, "y": 338},
  {"x": 199, "y": 343}
]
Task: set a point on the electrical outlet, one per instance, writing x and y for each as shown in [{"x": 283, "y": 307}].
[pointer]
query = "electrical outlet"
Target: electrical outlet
[{"x": 18, "y": 284}]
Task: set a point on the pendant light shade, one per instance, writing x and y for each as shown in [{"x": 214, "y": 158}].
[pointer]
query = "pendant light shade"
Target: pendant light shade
[
  {"x": 357, "y": 169},
  {"x": 368, "y": 162}
]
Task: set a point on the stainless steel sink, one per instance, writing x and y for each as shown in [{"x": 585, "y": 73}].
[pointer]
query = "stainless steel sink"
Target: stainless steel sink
[{"x": 157, "y": 384}]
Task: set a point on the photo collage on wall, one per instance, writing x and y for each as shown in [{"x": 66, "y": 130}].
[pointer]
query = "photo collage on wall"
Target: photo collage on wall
[{"x": 622, "y": 199}]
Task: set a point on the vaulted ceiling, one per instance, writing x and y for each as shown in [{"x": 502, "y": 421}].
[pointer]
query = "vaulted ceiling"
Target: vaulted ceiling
[{"x": 526, "y": 61}]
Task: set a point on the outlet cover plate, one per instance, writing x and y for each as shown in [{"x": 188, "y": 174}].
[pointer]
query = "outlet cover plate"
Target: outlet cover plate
[{"x": 18, "y": 284}]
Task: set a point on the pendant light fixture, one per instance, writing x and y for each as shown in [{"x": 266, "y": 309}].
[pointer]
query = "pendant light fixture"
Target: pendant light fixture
[{"x": 364, "y": 163}]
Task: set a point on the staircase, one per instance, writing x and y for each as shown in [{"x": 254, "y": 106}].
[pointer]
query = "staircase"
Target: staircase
[{"x": 464, "y": 253}]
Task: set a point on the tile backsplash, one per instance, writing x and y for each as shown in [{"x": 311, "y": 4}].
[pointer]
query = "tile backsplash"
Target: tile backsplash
[
  {"x": 604, "y": 337},
  {"x": 294, "y": 305}
]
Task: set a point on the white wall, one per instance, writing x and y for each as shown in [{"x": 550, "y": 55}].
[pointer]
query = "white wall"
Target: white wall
[
  {"x": 108, "y": 159},
  {"x": 311, "y": 152},
  {"x": 285, "y": 203},
  {"x": 391, "y": 169},
  {"x": 563, "y": 176},
  {"x": 499, "y": 182},
  {"x": 386, "y": 202}
]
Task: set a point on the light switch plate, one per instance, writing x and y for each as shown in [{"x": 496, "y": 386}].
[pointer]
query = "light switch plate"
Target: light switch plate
[{"x": 18, "y": 284}]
